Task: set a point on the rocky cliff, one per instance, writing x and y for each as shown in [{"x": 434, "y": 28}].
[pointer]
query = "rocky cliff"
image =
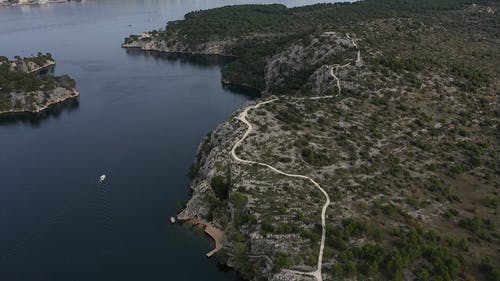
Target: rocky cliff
[
  {"x": 257, "y": 252},
  {"x": 154, "y": 42},
  {"x": 30, "y": 66},
  {"x": 404, "y": 144},
  {"x": 307, "y": 61},
  {"x": 37, "y": 101},
  {"x": 23, "y": 90},
  {"x": 212, "y": 155},
  {"x": 304, "y": 65}
]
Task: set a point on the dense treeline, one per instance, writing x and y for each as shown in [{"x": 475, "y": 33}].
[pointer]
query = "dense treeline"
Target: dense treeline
[
  {"x": 243, "y": 20},
  {"x": 12, "y": 80},
  {"x": 442, "y": 255}
]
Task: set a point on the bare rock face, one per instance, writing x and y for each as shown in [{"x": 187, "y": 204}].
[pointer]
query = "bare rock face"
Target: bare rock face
[
  {"x": 150, "y": 42},
  {"x": 308, "y": 60},
  {"x": 197, "y": 204},
  {"x": 27, "y": 66},
  {"x": 303, "y": 58},
  {"x": 321, "y": 80},
  {"x": 38, "y": 101},
  {"x": 212, "y": 154}
]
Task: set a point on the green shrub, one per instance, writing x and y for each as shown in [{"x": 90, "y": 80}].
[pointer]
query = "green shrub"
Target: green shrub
[
  {"x": 492, "y": 272},
  {"x": 220, "y": 186}
]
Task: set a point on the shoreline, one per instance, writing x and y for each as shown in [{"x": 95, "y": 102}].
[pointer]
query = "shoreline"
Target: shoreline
[
  {"x": 232, "y": 85},
  {"x": 215, "y": 233},
  {"x": 74, "y": 94},
  {"x": 124, "y": 46},
  {"x": 224, "y": 82}
]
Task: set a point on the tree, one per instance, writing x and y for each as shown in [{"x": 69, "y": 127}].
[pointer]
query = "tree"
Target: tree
[
  {"x": 239, "y": 200},
  {"x": 220, "y": 187}
]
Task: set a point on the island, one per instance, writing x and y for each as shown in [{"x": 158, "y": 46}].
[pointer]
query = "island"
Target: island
[
  {"x": 24, "y": 90},
  {"x": 373, "y": 151}
]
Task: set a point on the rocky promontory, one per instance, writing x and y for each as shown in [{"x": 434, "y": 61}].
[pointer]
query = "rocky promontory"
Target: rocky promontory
[
  {"x": 231, "y": 197},
  {"x": 376, "y": 159},
  {"x": 301, "y": 56},
  {"x": 154, "y": 41},
  {"x": 24, "y": 90}
]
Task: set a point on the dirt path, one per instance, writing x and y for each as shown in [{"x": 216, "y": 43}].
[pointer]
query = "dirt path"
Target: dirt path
[{"x": 243, "y": 118}]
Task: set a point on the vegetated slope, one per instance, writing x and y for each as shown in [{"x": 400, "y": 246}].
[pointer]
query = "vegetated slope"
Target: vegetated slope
[
  {"x": 22, "y": 89},
  {"x": 407, "y": 150},
  {"x": 253, "y": 33}
]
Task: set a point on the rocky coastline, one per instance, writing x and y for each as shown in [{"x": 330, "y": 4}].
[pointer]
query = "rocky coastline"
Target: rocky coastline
[
  {"x": 213, "y": 160},
  {"x": 278, "y": 69},
  {"x": 27, "y": 66},
  {"x": 355, "y": 120},
  {"x": 213, "y": 152},
  {"x": 33, "y": 93},
  {"x": 38, "y": 101},
  {"x": 213, "y": 157},
  {"x": 149, "y": 41}
]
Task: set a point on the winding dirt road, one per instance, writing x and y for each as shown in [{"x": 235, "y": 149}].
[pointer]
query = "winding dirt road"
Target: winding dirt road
[{"x": 243, "y": 118}]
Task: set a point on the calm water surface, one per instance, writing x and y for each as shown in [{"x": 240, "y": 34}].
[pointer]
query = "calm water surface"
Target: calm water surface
[{"x": 139, "y": 120}]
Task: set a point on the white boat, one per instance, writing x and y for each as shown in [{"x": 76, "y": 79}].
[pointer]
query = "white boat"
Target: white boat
[{"x": 102, "y": 178}]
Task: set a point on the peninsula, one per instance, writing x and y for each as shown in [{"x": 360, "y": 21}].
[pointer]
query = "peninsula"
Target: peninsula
[
  {"x": 23, "y": 90},
  {"x": 373, "y": 151}
]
